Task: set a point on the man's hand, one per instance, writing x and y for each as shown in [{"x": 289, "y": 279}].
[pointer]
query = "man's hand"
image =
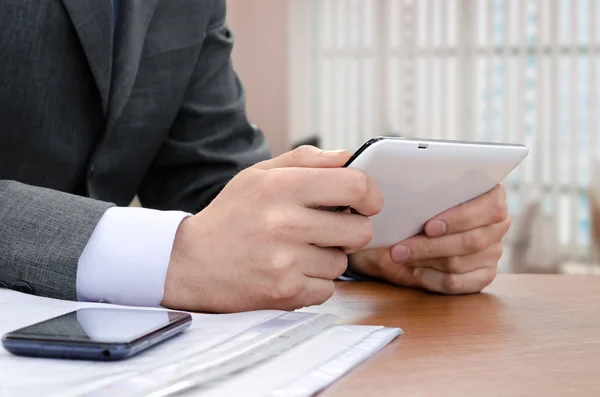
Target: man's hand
[
  {"x": 263, "y": 243},
  {"x": 457, "y": 254}
]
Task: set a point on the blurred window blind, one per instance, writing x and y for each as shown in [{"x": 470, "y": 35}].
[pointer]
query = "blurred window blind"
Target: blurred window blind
[{"x": 523, "y": 71}]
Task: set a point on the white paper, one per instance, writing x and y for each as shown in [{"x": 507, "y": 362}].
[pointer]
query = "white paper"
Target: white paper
[
  {"x": 298, "y": 371},
  {"x": 37, "y": 376},
  {"x": 308, "y": 367},
  {"x": 311, "y": 382}
]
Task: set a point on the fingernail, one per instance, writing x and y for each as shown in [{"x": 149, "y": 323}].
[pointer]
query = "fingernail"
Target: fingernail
[
  {"x": 333, "y": 153},
  {"x": 400, "y": 253},
  {"x": 436, "y": 228}
]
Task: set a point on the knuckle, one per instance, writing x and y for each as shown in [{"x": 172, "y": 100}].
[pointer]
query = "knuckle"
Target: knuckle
[
  {"x": 365, "y": 232},
  {"x": 379, "y": 201},
  {"x": 283, "y": 225},
  {"x": 253, "y": 179},
  {"x": 427, "y": 248},
  {"x": 489, "y": 278},
  {"x": 452, "y": 283},
  {"x": 272, "y": 181},
  {"x": 279, "y": 291},
  {"x": 286, "y": 180},
  {"x": 340, "y": 263},
  {"x": 474, "y": 241},
  {"x": 286, "y": 289},
  {"x": 498, "y": 252},
  {"x": 485, "y": 280},
  {"x": 500, "y": 211},
  {"x": 302, "y": 153},
  {"x": 248, "y": 173},
  {"x": 328, "y": 291},
  {"x": 275, "y": 223},
  {"x": 358, "y": 183},
  {"x": 502, "y": 191},
  {"x": 305, "y": 150},
  {"x": 453, "y": 265},
  {"x": 323, "y": 294},
  {"x": 283, "y": 263},
  {"x": 507, "y": 224}
]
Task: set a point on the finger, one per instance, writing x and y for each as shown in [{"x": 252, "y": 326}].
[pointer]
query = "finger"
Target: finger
[
  {"x": 463, "y": 264},
  {"x": 307, "y": 156},
  {"x": 314, "y": 291},
  {"x": 484, "y": 210},
  {"x": 325, "y": 263},
  {"x": 317, "y": 291},
  {"x": 453, "y": 284},
  {"x": 460, "y": 244},
  {"x": 370, "y": 262},
  {"x": 377, "y": 264},
  {"x": 329, "y": 229},
  {"x": 334, "y": 187}
]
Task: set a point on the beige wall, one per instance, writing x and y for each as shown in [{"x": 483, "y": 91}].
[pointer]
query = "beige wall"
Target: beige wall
[{"x": 261, "y": 59}]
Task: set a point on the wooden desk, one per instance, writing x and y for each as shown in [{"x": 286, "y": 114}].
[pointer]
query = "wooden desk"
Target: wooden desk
[{"x": 525, "y": 336}]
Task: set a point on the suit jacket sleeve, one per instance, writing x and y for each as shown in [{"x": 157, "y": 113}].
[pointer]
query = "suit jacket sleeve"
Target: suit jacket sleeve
[
  {"x": 211, "y": 139},
  {"x": 42, "y": 234}
]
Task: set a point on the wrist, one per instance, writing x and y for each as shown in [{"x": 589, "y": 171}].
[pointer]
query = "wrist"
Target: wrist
[{"x": 175, "y": 283}]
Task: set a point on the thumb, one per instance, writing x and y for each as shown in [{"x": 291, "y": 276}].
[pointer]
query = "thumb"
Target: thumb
[{"x": 307, "y": 157}]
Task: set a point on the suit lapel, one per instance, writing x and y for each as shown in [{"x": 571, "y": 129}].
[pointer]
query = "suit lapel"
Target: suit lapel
[
  {"x": 92, "y": 20},
  {"x": 134, "y": 19}
]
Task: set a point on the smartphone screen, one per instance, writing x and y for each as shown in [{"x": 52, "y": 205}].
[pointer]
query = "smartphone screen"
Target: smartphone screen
[{"x": 112, "y": 333}]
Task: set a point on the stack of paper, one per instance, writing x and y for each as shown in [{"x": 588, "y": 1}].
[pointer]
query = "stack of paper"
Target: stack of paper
[{"x": 316, "y": 354}]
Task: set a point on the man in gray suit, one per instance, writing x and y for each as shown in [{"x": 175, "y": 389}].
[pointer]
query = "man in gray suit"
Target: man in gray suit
[{"x": 101, "y": 100}]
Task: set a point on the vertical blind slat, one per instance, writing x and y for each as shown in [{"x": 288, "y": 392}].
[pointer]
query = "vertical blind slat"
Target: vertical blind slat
[
  {"x": 489, "y": 103},
  {"x": 573, "y": 131},
  {"x": 593, "y": 88},
  {"x": 506, "y": 86},
  {"x": 402, "y": 65},
  {"x": 428, "y": 102},
  {"x": 460, "y": 67},
  {"x": 539, "y": 101},
  {"x": 520, "y": 102},
  {"x": 361, "y": 92},
  {"x": 349, "y": 126},
  {"x": 415, "y": 100},
  {"x": 471, "y": 70},
  {"x": 593, "y": 100},
  {"x": 443, "y": 102},
  {"x": 554, "y": 110}
]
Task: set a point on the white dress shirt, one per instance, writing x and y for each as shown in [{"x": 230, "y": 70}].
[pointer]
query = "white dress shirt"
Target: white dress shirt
[{"x": 126, "y": 259}]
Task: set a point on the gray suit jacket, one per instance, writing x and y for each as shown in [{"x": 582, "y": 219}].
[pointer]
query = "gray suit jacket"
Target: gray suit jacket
[{"x": 85, "y": 124}]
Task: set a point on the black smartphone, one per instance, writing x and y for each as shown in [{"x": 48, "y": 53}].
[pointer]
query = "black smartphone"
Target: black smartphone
[{"x": 103, "y": 334}]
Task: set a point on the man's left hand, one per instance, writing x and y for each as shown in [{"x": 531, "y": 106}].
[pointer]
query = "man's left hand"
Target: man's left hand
[{"x": 458, "y": 252}]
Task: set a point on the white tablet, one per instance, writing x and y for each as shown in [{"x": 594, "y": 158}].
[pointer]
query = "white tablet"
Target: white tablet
[{"x": 422, "y": 178}]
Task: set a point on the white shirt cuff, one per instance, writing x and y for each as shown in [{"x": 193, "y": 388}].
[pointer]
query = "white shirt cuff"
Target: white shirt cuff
[{"x": 126, "y": 259}]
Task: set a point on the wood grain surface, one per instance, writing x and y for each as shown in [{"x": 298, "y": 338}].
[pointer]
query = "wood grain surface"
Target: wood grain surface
[{"x": 526, "y": 335}]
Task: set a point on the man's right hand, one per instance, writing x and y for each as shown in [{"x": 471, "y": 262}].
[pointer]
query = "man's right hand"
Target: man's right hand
[{"x": 263, "y": 243}]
